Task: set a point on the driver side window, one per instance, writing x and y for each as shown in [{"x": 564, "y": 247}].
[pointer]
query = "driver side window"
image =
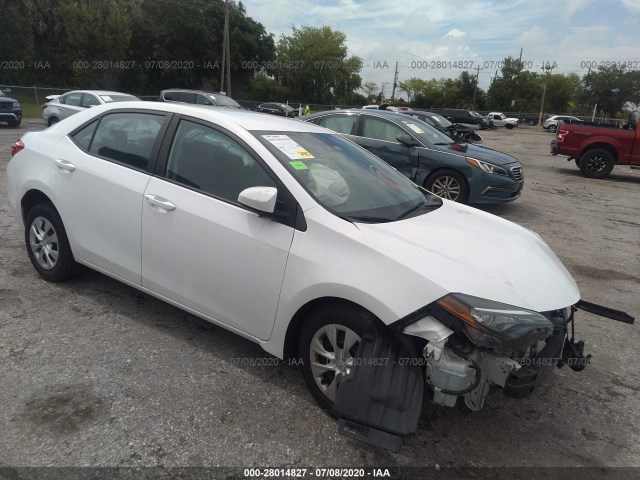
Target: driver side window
[{"x": 210, "y": 161}]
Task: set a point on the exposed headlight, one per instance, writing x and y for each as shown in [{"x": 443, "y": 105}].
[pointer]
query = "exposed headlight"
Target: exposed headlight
[
  {"x": 487, "y": 167},
  {"x": 16, "y": 104},
  {"x": 497, "y": 325}
]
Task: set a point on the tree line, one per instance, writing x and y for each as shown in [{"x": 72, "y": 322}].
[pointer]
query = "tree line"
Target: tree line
[{"x": 144, "y": 46}]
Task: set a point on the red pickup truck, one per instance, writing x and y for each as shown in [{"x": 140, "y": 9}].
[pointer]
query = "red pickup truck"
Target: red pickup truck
[{"x": 596, "y": 149}]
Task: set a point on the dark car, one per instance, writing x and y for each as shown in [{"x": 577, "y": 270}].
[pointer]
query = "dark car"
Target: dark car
[
  {"x": 460, "y": 132},
  {"x": 10, "y": 110},
  {"x": 198, "y": 97},
  {"x": 459, "y": 115},
  {"x": 281, "y": 109},
  {"x": 463, "y": 173}
]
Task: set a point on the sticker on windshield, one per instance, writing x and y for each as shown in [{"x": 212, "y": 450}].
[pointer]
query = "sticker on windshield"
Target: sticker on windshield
[
  {"x": 298, "y": 165},
  {"x": 415, "y": 128},
  {"x": 106, "y": 98},
  {"x": 287, "y": 146}
]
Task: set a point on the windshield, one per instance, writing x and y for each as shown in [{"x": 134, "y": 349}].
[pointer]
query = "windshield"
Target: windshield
[
  {"x": 222, "y": 101},
  {"x": 118, "y": 98},
  {"x": 346, "y": 179},
  {"x": 440, "y": 120},
  {"x": 427, "y": 133}
]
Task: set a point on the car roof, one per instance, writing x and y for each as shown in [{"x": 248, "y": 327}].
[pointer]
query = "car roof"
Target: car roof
[
  {"x": 379, "y": 113},
  {"x": 100, "y": 92},
  {"x": 243, "y": 118}
]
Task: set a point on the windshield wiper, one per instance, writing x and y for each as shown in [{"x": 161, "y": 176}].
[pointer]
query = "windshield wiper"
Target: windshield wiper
[
  {"x": 444, "y": 143},
  {"x": 430, "y": 206},
  {"x": 367, "y": 218}
]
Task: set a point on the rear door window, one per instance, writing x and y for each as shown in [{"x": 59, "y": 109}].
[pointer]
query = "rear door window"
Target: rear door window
[
  {"x": 73, "y": 99},
  {"x": 340, "y": 123},
  {"x": 127, "y": 138}
]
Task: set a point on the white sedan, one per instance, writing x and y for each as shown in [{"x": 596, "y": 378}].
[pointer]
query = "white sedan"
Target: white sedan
[
  {"x": 293, "y": 237},
  {"x": 62, "y": 106}
]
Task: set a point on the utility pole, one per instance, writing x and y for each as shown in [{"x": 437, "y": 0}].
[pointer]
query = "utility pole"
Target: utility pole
[
  {"x": 546, "y": 69},
  {"x": 395, "y": 81},
  {"x": 226, "y": 56},
  {"x": 475, "y": 89},
  {"x": 520, "y": 59}
]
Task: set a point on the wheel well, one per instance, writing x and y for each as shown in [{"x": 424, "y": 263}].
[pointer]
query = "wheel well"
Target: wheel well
[
  {"x": 293, "y": 330},
  {"x": 604, "y": 146},
  {"x": 31, "y": 199}
]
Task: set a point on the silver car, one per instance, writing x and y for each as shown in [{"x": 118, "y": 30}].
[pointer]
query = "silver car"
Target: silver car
[{"x": 73, "y": 102}]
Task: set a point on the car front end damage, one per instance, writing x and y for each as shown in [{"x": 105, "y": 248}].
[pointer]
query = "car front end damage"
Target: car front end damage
[{"x": 462, "y": 348}]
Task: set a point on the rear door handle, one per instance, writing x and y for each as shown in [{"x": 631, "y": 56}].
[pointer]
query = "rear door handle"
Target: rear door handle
[
  {"x": 65, "y": 165},
  {"x": 160, "y": 202}
]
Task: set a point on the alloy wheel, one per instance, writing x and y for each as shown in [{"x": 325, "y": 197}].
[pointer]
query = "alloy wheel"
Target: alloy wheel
[{"x": 446, "y": 187}]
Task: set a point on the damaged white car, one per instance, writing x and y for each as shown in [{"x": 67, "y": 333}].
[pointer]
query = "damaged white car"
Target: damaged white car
[{"x": 300, "y": 240}]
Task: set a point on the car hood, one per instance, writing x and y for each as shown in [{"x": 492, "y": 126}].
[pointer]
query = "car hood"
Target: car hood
[
  {"x": 462, "y": 249},
  {"x": 481, "y": 153}
]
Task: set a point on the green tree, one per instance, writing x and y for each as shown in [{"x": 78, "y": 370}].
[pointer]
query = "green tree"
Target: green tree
[
  {"x": 370, "y": 90},
  {"x": 610, "y": 88},
  {"x": 412, "y": 87},
  {"x": 314, "y": 64}
]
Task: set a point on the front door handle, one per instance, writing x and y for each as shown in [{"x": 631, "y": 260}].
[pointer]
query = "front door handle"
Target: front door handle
[
  {"x": 65, "y": 165},
  {"x": 160, "y": 202}
]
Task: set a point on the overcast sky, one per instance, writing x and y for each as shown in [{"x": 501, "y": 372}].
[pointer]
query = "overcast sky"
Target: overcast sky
[{"x": 568, "y": 34}]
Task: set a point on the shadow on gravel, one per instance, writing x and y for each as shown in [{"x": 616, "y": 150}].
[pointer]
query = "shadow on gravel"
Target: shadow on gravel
[{"x": 618, "y": 175}]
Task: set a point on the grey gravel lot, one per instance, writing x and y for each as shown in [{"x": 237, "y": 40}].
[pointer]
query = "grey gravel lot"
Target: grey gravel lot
[{"x": 95, "y": 373}]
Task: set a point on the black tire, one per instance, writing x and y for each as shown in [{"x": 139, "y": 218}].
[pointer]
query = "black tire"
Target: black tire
[
  {"x": 456, "y": 181},
  {"x": 15, "y": 123},
  {"x": 552, "y": 128},
  {"x": 52, "y": 121},
  {"x": 508, "y": 126},
  {"x": 349, "y": 317},
  {"x": 55, "y": 252},
  {"x": 596, "y": 163}
]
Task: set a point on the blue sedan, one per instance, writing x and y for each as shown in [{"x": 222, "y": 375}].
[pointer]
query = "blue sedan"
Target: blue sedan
[{"x": 463, "y": 173}]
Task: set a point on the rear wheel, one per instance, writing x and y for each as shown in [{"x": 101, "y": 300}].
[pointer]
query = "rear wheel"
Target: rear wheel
[
  {"x": 328, "y": 344},
  {"x": 552, "y": 128},
  {"x": 52, "y": 120},
  {"x": 596, "y": 163},
  {"x": 508, "y": 126},
  {"x": 47, "y": 244},
  {"x": 448, "y": 184}
]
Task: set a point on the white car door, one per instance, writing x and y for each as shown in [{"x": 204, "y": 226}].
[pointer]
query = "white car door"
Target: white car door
[
  {"x": 100, "y": 173},
  {"x": 72, "y": 105},
  {"x": 200, "y": 247}
]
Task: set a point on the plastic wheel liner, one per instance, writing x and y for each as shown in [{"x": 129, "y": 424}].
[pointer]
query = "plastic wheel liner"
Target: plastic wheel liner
[{"x": 380, "y": 401}]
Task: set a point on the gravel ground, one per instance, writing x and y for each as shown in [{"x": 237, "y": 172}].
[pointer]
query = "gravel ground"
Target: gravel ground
[{"x": 95, "y": 373}]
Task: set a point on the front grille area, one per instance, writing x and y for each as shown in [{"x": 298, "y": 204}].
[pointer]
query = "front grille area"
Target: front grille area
[
  {"x": 518, "y": 173},
  {"x": 6, "y": 105}
]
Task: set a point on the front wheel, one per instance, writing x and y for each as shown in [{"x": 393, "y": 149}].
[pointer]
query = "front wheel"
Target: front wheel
[
  {"x": 328, "y": 344},
  {"x": 15, "y": 123},
  {"x": 508, "y": 126},
  {"x": 47, "y": 244},
  {"x": 596, "y": 163},
  {"x": 448, "y": 184}
]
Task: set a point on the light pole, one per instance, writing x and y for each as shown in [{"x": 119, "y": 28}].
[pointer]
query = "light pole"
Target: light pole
[{"x": 546, "y": 69}]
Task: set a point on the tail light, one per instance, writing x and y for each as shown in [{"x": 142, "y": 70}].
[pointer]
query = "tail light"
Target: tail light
[
  {"x": 16, "y": 147},
  {"x": 561, "y": 134}
]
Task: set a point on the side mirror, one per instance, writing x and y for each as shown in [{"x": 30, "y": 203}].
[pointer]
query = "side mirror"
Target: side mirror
[
  {"x": 406, "y": 140},
  {"x": 262, "y": 199}
]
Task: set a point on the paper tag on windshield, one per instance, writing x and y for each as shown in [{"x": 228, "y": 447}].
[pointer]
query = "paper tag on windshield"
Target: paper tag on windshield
[
  {"x": 287, "y": 146},
  {"x": 415, "y": 128}
]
